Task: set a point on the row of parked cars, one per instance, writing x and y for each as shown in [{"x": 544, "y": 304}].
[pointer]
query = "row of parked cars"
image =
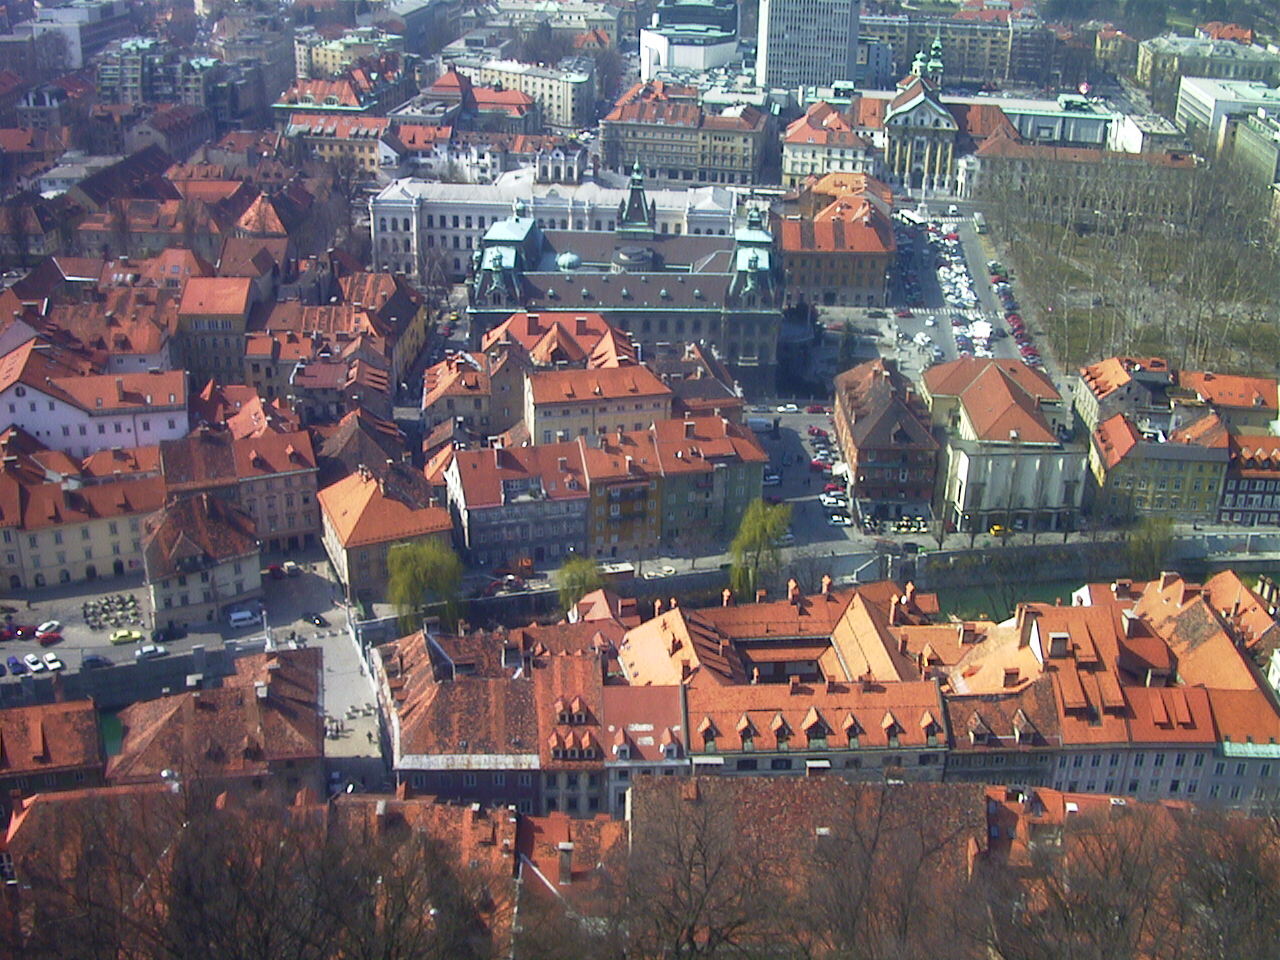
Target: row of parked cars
[{"x": 1003, "y": 287}]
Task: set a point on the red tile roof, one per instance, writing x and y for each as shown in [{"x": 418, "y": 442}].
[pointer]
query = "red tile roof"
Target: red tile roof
[
  {"x": 196, "y": 530},
  {"x": 50, "y": 738},
  {"x": 266, "y": 714},
  {"x": 850, "y": 225},
  {"x": 1001, "y": 397},
  {"x": 1231, "y": 391},
  {"x": 603, "y": 385},
  {"x": 218, "y": 296},
  {"x": 482, "y": 473},
  {"x": 364, "y": 509}
]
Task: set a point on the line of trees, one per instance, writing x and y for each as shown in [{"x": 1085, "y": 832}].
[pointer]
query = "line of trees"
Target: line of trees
[
  {"x": 866, "y": 873},
  {"x": 1128, "y": 257}
]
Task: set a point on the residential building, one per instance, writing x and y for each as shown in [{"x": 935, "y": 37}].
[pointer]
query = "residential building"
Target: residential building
[
  {"x": 265, "y": 40},
  {"x": 1239, "y": 401},
  {"x": 710, "y": 471},
  {"x": 689, "y": 35},
  {"x": 364, "y": 515},
  {"x": 61, "y": 524},
  {"x": 202, "y": 560},
  {"x": 1016, "y": 48},
  {"x": 837, "y": 242},
  {"x": 212, "y": 316},
  {"x": 673, "y": 138},
  {"x": 1252, "y": 480},
  {"x": 824, "y": 141},
  {"x": 701, "y": 385},
  {"x": 419, "y": 224},
  {"x": 319, "y": 57},
  {"x": 565, "y": 93},
  {"x": 1148, "y": 133},
  {"x": 1138, "y": 469},
  {"x": 331, "y": 137},
  {"x": 1205, "y": 103},
  {"x": 271, "y": 476},
  {"x": 49, "y": 747},
  {"x": 885, "y": 436},
  {"x": 482, "y": 392},
  {"x": 368, "y": 89},
  {"x": 806, "y": 42},
  {"x": 259, "y": 733},
  {"x": 68, "y": 408},
  {"x": 564, "y": 404},
  {"x": 659, "y": 289},
  {"x": 515, "y": 503},
  {"x": 1009, "y": 458},
  {"x": 1164, "y": 61}
]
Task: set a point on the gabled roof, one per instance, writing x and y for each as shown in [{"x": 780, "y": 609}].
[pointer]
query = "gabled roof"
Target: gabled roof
[
  {"x": 1231, "y": 391},
  {"x": 364, "y": 509},
  {"x": 883, "y": 409},
  {"x": 267, "y": 713},
  {"x": 601, "y": 385},
  {"x": 49, "y": 738},
  {"x": 220, "y": 296},
  {"x": 211, "y": 457},
  {"x": 482, "y": 474},
  {"x": 196, "y": 532},
  {"x": 1000, "y": 397}
]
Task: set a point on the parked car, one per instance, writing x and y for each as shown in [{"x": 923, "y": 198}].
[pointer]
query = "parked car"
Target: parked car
[
  {"x": 840, "y": 520},
  {"x": 818, "y": 466},
  {"x": 815, "y": 408},
  {"x": 48, "y": 639},
  {"x": 94, "y": 662},
  {"x": 49, "y": 626},
  {"x": 34, "y": 663},
  {"x": 52, "y": 663},
  {"x": 788, "y": 408},
  {"x": 125, "y": 635},
  {"x": 275, "y": 571},
  {"x": 833, "y": 488},
  {"x": 16, "y": 666},
  {"x": 291, "y": 568},
  {"x": 150, "y": 651},
  {"x": 772, "y": 479}
]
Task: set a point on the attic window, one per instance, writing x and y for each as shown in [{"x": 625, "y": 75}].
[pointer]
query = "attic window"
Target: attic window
[
  {"x": 671, "y": 751},
  {"x": 579, "y": 718},
  {"x": 622, "y": 751}
]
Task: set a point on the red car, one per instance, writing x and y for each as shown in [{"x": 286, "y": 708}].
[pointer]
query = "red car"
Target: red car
[
  {"x": 275, "y": 571},
  {"x": 819, "y": 466},
  {"x": 902, "y": 314},
  {"x": 817, "y": 432},
  {"x": 833, "y": 488},
  {"x": 815, "y": 408},
  {"x": 49, "y": 639}
]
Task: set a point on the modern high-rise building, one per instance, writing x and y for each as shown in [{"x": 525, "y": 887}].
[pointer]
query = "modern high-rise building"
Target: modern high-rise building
[{"x": 810, "y": 42}]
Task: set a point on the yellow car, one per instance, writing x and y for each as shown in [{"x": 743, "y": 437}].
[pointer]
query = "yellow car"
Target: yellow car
[
  {"x": 998, "y": 530},
  {"x": 124, "y": 635}
]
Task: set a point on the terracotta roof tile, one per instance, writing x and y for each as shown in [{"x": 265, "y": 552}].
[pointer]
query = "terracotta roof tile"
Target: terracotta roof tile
[
  {"x": 364, "y": 509},
  {"x": 193, "y": 531},
  {"x": 50, "y": 738}
]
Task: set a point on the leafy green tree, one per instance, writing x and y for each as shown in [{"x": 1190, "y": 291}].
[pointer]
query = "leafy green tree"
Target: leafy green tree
[
  {"x": 577, "y": 577},
  {"x": 422, "y": 575},
  {"x": 755, "y": 551},
  {"x": 1148, "y": 547}
]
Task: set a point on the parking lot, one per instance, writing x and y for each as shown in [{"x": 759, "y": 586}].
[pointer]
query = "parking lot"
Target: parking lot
[{"x": 88, "y": 615}]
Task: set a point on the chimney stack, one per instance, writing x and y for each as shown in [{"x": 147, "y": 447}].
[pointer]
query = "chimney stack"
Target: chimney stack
[
  {"x": 565, "y": 861},
  {"x": 380, "y": 817},
  {"x": 119, "y": 388},
  {"x": 657, "y": 606},
  {"x": 826, "y": 585},
  {"x": 760, "y": 595},
  {"x": 793, "y": 590},
  {"x": 910, "y": 597},
  {"x": 893, "y": 610},
  {"x": 726, "y": 597}
]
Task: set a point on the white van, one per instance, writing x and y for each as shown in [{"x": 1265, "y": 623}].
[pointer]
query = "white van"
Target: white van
[{"x": 241, "y": 618}]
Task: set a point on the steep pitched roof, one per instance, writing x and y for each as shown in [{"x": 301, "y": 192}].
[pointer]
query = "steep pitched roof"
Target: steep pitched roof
[
  {"x": 364, "y": 509},
  {"x": 49, "y": 738}
]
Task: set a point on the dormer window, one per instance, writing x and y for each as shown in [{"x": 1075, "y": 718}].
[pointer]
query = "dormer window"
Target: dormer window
[
  {"x": 622, "y": 751},
  {"x": 671, "y": 751},
  {"x": 573, "y": 753},
  {"x": 564, "y": 718},
  {"x": 579, "y": 718}
]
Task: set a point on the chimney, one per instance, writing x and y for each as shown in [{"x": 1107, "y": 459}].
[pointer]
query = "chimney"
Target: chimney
[
  {"x": 531, "y": 324},
  {"x": 689, "y": 427},
  {"x": 380, "y": 817},
  {"x": 893, "y": 610},
  {"x": 909, "y": 598},
  {"x": 671, "y": 603},
  {"x": 826, "y": 584},
  {"x": 580, "y": 326},
  {"x": 755, "y": 675},
  {"x": 793, "y": 590},
  {"x": 657, "y": 606},
  {"x": 563, "y": 463},
  {"x": 726, "y": 597},
  {"x": 1025, "y": 619},
  {"x": 119, "y": 388},
  {"x": 566, "y": 862},
  {"x": 793, "y": 683},
  {"x": 760, "y": 595}
]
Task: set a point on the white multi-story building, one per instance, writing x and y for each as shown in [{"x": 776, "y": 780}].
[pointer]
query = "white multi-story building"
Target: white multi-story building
[
  {"x": 565, "y": 94},
  {"x": 1203, "y": 103},
  {"x": 80, "y": 415},
  {"x": 414, "y": 221},
  {"x": 810, "y": 42}
]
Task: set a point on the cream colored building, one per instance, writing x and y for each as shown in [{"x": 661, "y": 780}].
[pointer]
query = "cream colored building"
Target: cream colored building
[
  {"x": 565, "y": 404},
  {"x": 66, "y": 533},
  {"x": 566, "y": 93},
  {"x": 316, "y": 57}
]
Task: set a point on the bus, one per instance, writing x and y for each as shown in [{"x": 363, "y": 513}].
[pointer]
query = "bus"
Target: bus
[{"x": 979, "y": 222}]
